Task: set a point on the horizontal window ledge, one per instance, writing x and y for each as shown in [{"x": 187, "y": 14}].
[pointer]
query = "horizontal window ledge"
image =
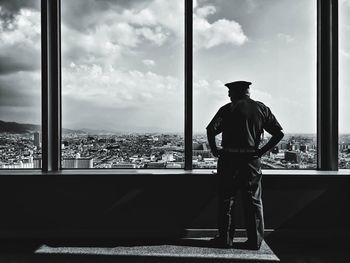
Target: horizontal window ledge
[{"x": 165, "y": 172}]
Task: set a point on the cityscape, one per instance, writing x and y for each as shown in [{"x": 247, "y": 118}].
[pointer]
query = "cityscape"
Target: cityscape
[{"x": 82, "y": 150}]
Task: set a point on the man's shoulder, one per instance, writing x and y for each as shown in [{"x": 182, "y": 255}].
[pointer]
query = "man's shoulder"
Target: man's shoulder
[
  {"x": 260, "y": 104},
  {"x": 226, "y": 107}
]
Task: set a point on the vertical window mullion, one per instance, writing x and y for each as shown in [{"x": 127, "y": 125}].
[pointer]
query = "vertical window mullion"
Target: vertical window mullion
[
  {"x": 327, "y": 85},
  {"x": 51, "y": 85},
  {"x": 188, "y": 83}
]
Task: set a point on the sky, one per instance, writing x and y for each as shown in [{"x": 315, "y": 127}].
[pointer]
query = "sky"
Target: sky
[
  {"x": 20, "y": 74},
  {"x": 122, "y": 61},
  {"x": 275, "y": 49}
]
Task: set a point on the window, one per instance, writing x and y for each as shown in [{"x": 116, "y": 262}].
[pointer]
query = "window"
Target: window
[
  {"x": 273, "y": 45},
  {"x": 344, "y": 84},
  {"x": 126, "y": 87},
  {"x": 20, "y": 85},
  {"x": 122, "y": 84}
]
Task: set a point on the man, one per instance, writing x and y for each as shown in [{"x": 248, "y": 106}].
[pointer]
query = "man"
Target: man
[{"x": 241, "y": 123}]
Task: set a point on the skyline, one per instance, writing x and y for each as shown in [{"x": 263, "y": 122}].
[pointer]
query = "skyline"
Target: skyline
[
  {"x": 102, "y": 71},
  {"x": 103, "y": 132}
]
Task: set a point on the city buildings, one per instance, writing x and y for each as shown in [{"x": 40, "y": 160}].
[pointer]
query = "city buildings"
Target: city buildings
[{"x": 153, "y": 151}]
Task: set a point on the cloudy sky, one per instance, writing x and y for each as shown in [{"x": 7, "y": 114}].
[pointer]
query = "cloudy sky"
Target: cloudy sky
[
  {"x": 123, "y": 61},
  {"x": 20, "y": 80}
]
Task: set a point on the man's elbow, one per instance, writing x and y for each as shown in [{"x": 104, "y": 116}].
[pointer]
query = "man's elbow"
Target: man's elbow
[
  {"x": 280, "y": 135},
  {"x": 277, "y": 136},
  {"x": 210, "y": 133}
]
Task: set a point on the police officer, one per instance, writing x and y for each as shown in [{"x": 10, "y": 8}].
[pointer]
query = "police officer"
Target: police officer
[{"x": 241, "y": 122}]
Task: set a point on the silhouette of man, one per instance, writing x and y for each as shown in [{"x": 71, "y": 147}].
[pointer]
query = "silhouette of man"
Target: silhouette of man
[{"x": 241, "y": 123}]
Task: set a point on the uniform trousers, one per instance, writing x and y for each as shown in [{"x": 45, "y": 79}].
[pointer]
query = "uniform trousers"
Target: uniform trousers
[{"x": 240, "y": 173}]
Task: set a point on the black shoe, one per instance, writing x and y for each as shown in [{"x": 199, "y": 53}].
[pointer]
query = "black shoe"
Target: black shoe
[
  {"x": 251, "y": 245},
  {"x": 221, "y": 242}
]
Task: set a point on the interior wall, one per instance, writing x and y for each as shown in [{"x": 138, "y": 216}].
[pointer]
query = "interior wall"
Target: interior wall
[{"x": 160, "y": 205}]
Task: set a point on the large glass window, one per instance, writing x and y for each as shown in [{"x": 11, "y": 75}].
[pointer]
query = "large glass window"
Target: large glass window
[
  {"x": 344, "y": 84},
  {"x": 122, "y": 79},
  {"x": 122, "y": 84},
  {"x": 271, "y": 43},
  {"x": 20, "y": 84}
]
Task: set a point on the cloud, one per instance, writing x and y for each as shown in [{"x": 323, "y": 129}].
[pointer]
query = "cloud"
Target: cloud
[
  {"x": 114, "y": 88},
  {"x": 104, "y": 82},
  {"x": 148, "y": 62},
  {"x": 155, "y": 35},
  {"x": 20, "y": 90},
  {"x": 133, "y": 100},
  {"x": 156, "y": 15},
  {"x": 20, "y": 42},
  {"x": 103, "y": 43},
  {"x": 108, "y": 45},
  {"x": 13, "y": 6},
  {"x": 205, "y": 11},
  {"x": 222, "y": 31},
  {"x": 85, "y": 14},
  {"x": 10, "y": 63},
  {"x": 107, "y": 32},
  {"x": 169, "y": 15},
  {"x": 200, "y": 86},
  {"x": 156, "y": 22},
  {"x": 20, "y": 97},
  {"x": 203, "y": 88}
]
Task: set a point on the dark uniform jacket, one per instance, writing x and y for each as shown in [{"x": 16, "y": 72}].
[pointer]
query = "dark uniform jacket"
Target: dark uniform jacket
[{"x": 242, "y": 123}]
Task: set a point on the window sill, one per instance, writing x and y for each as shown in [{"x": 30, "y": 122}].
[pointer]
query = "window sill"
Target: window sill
[{"x": 179, "y": 172}]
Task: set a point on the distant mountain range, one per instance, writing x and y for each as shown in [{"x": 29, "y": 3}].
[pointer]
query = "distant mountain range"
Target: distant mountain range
[
  {"x": 14, "y": 127},
  {"x": 18, "y": 128}
]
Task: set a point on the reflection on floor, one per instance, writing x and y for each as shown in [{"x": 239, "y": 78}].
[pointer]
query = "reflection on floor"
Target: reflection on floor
[
  {"x": 287, "y": 249},
  {"x": 185, "y": 248}
]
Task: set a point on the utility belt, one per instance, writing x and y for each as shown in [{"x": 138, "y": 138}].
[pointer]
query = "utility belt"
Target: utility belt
[
  {"x": 241, "y": 153},
  {"x": 239, "y": 150}
]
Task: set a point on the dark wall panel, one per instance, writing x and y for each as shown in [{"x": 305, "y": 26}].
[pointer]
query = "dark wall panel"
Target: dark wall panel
[{"x": 159, "y": 205}]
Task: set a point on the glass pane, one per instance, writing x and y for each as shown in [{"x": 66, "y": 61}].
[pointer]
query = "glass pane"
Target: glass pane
[
  {"x": 271, "y": 43},
  {"x": 344, "y": 84},
  {"x": 20, "y": 84},
  {"x": 122, "y": 91}
]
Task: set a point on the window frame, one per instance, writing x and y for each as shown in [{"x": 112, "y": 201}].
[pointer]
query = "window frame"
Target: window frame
[
  {"x": 327, "y": 96},
  {"x": 327, "y": 85}
]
